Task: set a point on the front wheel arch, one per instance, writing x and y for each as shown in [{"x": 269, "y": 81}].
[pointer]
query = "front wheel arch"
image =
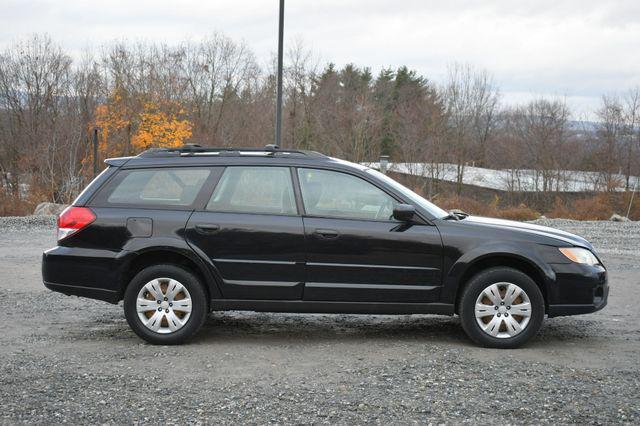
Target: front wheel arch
[
  {"x": 503, "y": 338},
  {"x": 507, "y": 261}
]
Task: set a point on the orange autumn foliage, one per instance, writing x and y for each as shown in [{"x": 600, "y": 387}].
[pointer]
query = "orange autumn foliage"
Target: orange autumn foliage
[
  {"x": 158, "y": 128},
  {"x": 128, "y": 130},
  {"x": 112, "y": 118}
]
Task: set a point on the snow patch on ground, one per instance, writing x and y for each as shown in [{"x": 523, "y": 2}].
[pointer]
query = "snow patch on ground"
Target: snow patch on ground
[{"x": 510, "y": 179}]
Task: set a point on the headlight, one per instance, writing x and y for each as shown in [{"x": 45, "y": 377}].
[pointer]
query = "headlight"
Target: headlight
[{"x": 579, "y": 255}]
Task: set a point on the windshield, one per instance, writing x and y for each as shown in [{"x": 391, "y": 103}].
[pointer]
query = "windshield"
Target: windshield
[{"x": 434, "y": 210}]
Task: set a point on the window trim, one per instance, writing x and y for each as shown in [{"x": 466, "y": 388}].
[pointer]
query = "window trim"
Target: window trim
[
  {"x": 102, "y": 195},
  {"x": 346, "y": 172},
  {"x": 203, "y": 207}
]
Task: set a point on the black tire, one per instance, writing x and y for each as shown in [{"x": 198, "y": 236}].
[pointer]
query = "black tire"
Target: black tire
[
  {"x": 476, "y": 286},
  {"x": 199, "y": 308}
]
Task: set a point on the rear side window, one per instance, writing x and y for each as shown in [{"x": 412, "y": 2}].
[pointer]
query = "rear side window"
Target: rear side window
[
  {"x": 159, "y": 187},
  {"x": 266, "y": 190}
]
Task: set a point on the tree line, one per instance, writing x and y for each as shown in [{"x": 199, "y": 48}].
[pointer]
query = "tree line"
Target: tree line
[{"x": 213, "y": 92}]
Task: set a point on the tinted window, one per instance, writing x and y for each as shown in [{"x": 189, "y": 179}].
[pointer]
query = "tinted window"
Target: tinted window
[
  {"x": 254, "y": 190},
  {"x": 412, "y": 196},
  {"x": 177, "y": 187},
  {"x": 335, "y": 194}
]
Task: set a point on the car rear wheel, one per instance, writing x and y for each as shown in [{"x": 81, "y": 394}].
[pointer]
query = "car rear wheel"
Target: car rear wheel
[
  {"x": 165, "y": 304},
  {"x": 501, "y": 308}
]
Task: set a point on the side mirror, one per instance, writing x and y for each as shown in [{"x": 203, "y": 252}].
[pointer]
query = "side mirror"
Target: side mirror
[{"x": 404, "y": 212}]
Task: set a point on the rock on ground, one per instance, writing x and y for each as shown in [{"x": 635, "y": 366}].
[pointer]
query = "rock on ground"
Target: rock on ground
[{"x": 49, "y": 209}]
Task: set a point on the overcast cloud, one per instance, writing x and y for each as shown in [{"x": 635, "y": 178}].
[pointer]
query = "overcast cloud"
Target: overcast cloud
[{"x": 578, "y": 49}]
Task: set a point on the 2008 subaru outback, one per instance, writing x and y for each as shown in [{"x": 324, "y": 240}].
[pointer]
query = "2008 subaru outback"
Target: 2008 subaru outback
[{"x": 177, "y": 233}]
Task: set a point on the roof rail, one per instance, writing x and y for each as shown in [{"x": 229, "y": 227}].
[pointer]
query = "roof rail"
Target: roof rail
[{"x": 195, "y": 150}]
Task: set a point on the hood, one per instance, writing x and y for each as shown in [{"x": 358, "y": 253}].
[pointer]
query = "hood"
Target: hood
[{"x": 529, "y": 228}]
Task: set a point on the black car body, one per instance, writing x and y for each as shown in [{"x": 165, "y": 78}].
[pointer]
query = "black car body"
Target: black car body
[{"x": 339, "y": 256}]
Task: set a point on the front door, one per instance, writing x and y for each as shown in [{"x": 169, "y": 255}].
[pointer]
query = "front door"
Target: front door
[
  {"x": 251, "y": 231},
  {"x": 356, "y": 251}
]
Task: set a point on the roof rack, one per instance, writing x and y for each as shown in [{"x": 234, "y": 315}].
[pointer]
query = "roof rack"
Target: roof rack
[{"x": 197, "y": 150}]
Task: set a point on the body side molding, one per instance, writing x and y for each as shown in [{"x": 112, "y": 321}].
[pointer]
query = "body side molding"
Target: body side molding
[{"x": 321, "y": 307}]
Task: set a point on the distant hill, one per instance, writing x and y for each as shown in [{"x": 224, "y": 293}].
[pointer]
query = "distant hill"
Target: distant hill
[{"x": 583, "y": 126}]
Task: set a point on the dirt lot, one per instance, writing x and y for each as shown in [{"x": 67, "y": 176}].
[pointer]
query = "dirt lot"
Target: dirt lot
[{"x": 67, "y": 359}]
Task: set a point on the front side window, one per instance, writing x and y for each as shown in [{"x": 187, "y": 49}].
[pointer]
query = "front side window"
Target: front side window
[
  {"x": 334, "y": 194},
  {"x": 434, "y": 210},
  {"x": 263, "y": 190},
  {"x": 170, "y": 187}
]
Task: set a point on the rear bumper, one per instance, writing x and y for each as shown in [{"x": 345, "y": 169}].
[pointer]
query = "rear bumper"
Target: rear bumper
[
  {"x": 83, "y": 272},
  {"x": 92, "y": 293},
  {"x": 579, "y": 289}
]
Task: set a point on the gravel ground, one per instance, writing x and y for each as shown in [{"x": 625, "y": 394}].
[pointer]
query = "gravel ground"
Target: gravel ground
[{"x": 66, "y": 359}]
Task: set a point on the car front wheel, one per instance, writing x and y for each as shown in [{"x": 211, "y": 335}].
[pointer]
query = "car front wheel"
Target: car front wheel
[
  {"x": 501, "y": 308},
  {"x": 165, "y": 304}
]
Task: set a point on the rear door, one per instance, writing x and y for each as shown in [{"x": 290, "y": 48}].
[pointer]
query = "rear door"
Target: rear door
[
  {"x": 356, "y": 251},
  {"x": 252, "y": 232}
]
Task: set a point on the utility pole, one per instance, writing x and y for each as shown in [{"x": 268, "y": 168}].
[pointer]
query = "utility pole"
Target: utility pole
[
  {"x": 279, "y": 93},
  {"x": 95, "y": 151}
]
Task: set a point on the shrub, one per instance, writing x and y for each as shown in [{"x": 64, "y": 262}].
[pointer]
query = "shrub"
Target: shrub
[
  {"x": 465, "y": 204},
  {"x": 491, "y": 209},
  {"x": 595, "y": 208},
  {"x": 559, "y": 209},
  {"x": 623, "y": 206},
  {"x": 14, "y": 206},
  {"x": 598, "y": 207},
  {"x": 521, "y": 213}
]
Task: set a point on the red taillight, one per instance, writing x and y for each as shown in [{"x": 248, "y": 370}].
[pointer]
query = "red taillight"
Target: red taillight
[{"x": 73, "y": 219}]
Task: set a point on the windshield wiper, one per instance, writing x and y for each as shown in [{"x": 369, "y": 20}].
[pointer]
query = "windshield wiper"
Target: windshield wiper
[
  {"x": 456, "y": 215},
  {"x": 450, "y": 216}
]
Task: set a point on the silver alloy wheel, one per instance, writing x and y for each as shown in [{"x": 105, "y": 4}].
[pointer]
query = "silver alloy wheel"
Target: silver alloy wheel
[
  {"x": 164, "y": 305},
  {"x": 503, "y": 310}
]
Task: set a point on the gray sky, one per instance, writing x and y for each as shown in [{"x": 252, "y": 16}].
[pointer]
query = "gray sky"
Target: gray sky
[{"x": 578, "y": 49}]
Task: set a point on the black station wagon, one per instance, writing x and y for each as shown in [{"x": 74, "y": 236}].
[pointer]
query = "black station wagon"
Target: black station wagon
[{"x": 177, "y": 233}]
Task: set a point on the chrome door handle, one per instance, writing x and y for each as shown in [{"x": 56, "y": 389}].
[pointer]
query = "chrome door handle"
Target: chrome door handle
[
  {"x": 326, "y": 233},
  {"x": 206, "y": 228}
]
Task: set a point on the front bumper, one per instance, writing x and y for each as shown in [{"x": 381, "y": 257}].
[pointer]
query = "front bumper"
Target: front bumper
[{"x": 578, "y": 289}]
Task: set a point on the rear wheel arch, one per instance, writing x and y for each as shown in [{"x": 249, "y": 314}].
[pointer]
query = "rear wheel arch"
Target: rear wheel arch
[
  {"x": 518, "y": 263},
  {"x": 166, "y": 304},
  {"x": 167, "y": 256}
]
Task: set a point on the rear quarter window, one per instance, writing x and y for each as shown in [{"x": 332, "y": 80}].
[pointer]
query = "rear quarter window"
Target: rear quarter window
[{"x": 155, "y": 187}]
